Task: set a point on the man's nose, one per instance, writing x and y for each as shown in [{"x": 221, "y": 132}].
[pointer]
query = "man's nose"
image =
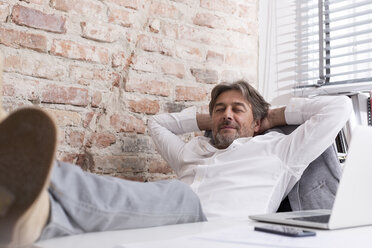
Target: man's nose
[{"x": 228, "y": 114}]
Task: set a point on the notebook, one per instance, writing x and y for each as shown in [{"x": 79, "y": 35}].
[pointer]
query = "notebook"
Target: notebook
[{"x": 353, "y": 202}]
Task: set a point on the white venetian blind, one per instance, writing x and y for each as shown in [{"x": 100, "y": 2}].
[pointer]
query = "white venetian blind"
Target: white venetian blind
[
  {"x": 308, "y": 45},
  {"x": 334, "y": 44}
]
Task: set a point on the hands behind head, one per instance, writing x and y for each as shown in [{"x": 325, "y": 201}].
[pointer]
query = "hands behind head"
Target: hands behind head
[{"x": 274, "y": 118}]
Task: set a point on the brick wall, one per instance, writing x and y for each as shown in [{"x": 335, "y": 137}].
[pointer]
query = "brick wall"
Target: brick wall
[{"x": 102, "y": 67}]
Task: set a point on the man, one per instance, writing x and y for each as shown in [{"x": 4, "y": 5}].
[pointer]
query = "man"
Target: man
[
  {"x": 40, "y": 201},
  {"x": 239, "y": 173}
]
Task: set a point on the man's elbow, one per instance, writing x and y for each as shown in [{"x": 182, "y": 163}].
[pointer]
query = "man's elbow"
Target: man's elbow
[{"x": 346, "y": 104}]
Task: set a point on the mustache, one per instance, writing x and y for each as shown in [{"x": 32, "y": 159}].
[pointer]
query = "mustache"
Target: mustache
[{"x": 228, "y": 123}]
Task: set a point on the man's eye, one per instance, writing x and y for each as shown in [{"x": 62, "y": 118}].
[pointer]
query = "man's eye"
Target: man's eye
[
  {"x": 219, "y": 110},
  {"x": 238, "y": 110}
]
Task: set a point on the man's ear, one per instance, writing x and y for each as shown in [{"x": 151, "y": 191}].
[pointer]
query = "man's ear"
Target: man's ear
[{"x": 257, "y": 125}]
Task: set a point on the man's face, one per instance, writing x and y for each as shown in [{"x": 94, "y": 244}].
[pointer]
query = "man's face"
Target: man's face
[{"x": 232, "y": 118}]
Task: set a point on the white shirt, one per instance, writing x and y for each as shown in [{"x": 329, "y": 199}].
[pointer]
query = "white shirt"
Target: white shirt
[{"x": 253, "y": 174}]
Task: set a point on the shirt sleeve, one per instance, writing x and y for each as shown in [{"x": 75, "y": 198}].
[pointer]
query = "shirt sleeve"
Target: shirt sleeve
[
  {"x": 164, "y": 129},
  {"x": 320, "y": 120}
]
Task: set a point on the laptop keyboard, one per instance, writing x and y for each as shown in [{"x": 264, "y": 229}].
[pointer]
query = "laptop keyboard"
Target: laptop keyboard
[{"x": 318, "y": 218}]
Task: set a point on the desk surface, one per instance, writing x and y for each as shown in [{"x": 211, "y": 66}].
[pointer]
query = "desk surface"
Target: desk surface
[{"x": 216, "y": 233}]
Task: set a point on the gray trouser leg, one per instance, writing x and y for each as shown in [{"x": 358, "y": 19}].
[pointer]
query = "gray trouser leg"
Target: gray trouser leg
[{"x": 85, "y": 202}]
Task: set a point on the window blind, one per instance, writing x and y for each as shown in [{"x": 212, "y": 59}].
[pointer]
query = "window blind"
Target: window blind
[
  {"x": 334, "y": 43},
  {"x": 308, "y": 46}
]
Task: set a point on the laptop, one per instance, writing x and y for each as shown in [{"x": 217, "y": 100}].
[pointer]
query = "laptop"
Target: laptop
[{"x": 353, "y": 203}]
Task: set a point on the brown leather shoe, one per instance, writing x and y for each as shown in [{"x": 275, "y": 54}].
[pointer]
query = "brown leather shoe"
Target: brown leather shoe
[{"x": 27, "y": 147}]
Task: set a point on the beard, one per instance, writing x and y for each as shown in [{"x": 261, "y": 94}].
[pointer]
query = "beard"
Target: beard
[{"x": 222, "y": 141}]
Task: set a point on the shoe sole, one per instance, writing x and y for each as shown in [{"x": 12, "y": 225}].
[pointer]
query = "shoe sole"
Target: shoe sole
[{"x": 27, "y": 146}]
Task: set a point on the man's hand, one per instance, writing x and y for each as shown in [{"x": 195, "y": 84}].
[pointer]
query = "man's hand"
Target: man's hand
[
  {"x": 274, "y": 118},
  {"x": 204, "y": 121}
]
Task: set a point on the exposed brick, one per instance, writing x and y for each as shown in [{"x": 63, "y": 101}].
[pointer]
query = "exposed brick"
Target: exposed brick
[
  {"x": 96, "y": 99},
  {"x": 40, "y": 2},
  {"x": 137, "y": 144},
  {"x": 126, "y": 56},
  {"x": 159, "y": 177},
  {"x": 64, "y": 117},
  {"x": 8, "y": 90},
  {"x": 15, "y": 86},
  {"x": 118, "y": 59},
  {"x": 209, "y": 20},
  {"x": 163, "y": 27},
  {"x": 17, "y": 39},
  {"x": 4, "y": 11},
  {"x": 116, "y": 81},
  {"x": 97, "y": 74},
  {"x": 127, "y": 123},
  {"x": 159, "y": 166},
  {"x": 189, "y": 93},
  {"x": 169, "y": 30},
  {"x": 144, "y": 106},
  {"x": 99, "y": 32},
  {"x": 88, "y": 119},
  {"x": 145, "y": 62},
  {"x": 197, "y": 35},
  {"x": 172, "y": 107},
  {"x": 192, "y": 53},
  {"x": 149, "y": 63},
  {"x": 65, "y": 95},
  {"x": 192, "y": 3},
  {"x": 102, "y": 140},
  {"x": 148, "y": 86},
  {"x": 248, "y": 12},
  {"x": 61, "y": 136},
  {"x": 130, "y": 37},
  {"x": 129, "y": 60},
  {"x": 131, "y": 177},
  {"x": 226, "y": 6},
  {"x": 83, "y": 7},
  {"x": 215, "y": 57},
  {"x": 205, "y": 76},
  {"x": 13, "y": 104},
  {"x": 73, "y": 50},
  {"x": 153, "y": 44},
  {"x": 239, "y": 41},
  {"x": 85, "y": 161},
  {"x": 36, "y": 19},
  {"x": 234, "y": 75},
  {"x": 133, "y": 4},
  {"x": 122, "y": 17},
  {"x": 67, "y": 157},
  {"x": 164, "y": 10},
  {"x": 240, "y": 59},
  {"x": 172, "y": 68},
  {"x": 76, "y": 138},
  {"x": 154, "y": 26},
  {"x": 119, "y": 164},
  {"x": 36, "y": 66},
  {"x": 242, "y": 26}
]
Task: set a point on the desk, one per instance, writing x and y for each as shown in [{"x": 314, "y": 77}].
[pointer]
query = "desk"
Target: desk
[{"x": 204, "y": 235}]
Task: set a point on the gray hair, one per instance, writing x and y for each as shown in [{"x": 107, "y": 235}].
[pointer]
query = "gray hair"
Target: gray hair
[{"x": 258, "y": 104}]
